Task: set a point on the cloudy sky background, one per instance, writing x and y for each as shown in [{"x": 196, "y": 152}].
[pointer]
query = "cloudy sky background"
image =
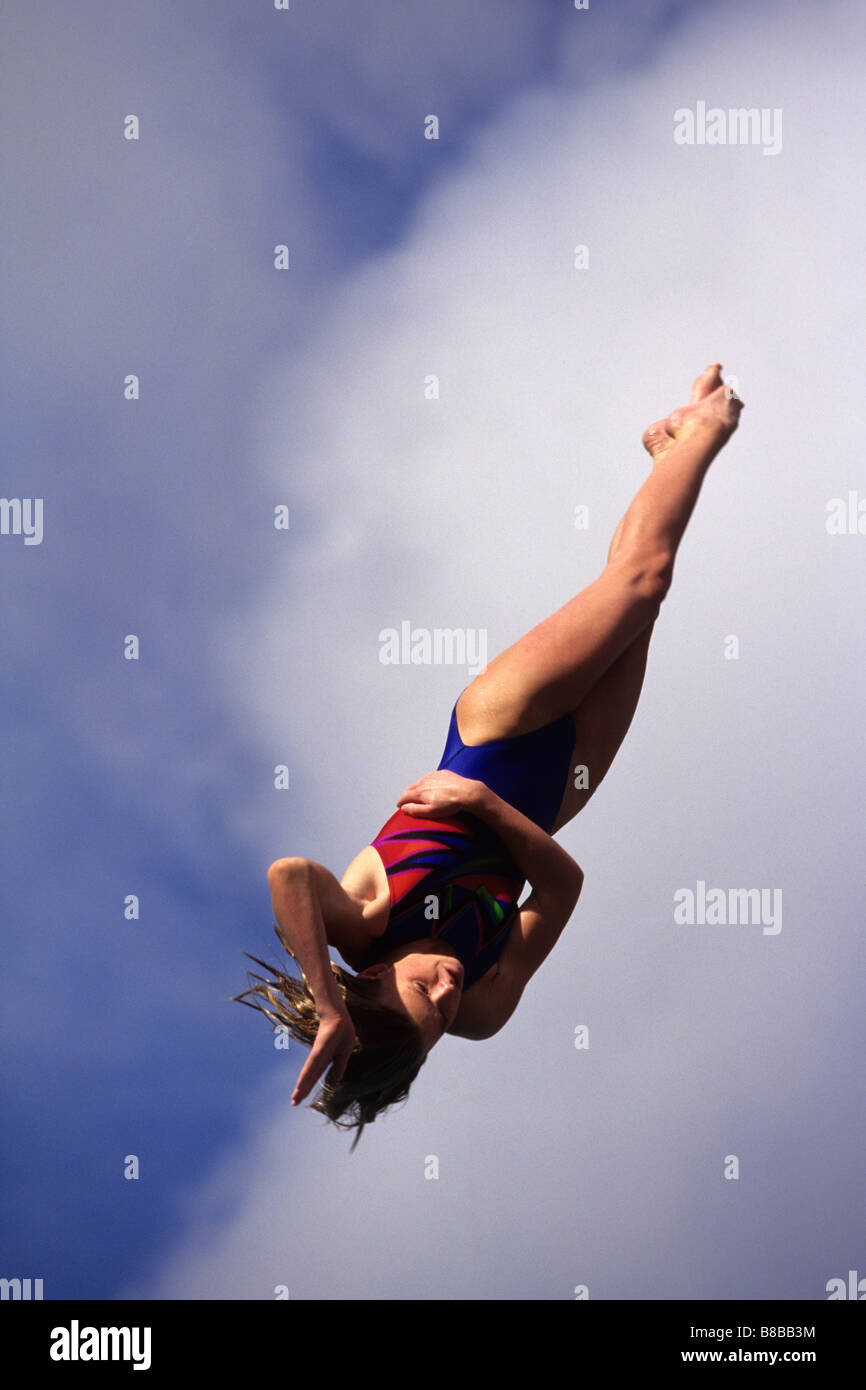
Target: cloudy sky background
[{"x": 557, "y": 1167}]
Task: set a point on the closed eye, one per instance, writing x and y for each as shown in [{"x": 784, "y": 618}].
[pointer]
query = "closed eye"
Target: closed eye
[{"x": 435, "y": 1009}]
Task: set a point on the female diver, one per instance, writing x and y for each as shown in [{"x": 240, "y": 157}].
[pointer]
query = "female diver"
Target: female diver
[{"x": 427, "y": 914}]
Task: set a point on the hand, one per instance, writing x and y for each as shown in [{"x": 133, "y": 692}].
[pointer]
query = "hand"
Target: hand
[
  {"x": 440, "y": 794},
  {"x": 334, "y": 1043}
]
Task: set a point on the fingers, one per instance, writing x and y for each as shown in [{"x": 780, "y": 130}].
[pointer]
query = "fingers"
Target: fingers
[
  {"x": 415, "y": 798},
  {"x": 303, "y": 1086},
  {"x": 333, "y": 1050},
  {"x": 341, "y": 1062},
  {"x": 411, "y": 790},
  {"x": 315, "y": 1064}
]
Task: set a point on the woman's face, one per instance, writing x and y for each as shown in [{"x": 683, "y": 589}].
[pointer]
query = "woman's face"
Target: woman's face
[{"x": 428, "y": 983}]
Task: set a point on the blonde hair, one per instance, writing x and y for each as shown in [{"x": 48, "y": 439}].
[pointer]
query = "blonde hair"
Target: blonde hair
[{"x": 387, "y": 1057}]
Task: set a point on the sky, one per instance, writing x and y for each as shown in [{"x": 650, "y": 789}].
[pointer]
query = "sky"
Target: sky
[{"x": 709, "y": 1141}]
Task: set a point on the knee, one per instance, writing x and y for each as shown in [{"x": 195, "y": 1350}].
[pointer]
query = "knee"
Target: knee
[{"x": 649, "y": 576}]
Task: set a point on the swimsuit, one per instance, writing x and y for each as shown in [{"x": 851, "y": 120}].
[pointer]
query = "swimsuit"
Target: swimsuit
[
  {"x": 529, "y": 771},
  {"x": 454, "y": 878}
]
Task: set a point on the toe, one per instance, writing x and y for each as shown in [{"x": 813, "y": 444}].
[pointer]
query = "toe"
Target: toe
[{"x": 708, "y": 381}]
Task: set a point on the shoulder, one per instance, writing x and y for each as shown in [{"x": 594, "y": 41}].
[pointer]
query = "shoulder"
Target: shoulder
[
  {"x": 357, "y": 907},
  {"x": 355, "y": 910},
  {"x": 366, "y": 879}
]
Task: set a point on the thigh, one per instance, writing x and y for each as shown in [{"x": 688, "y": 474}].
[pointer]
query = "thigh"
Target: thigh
[
  {"x": 550, "y": 671},
  {"x": 601, "y": 723}
]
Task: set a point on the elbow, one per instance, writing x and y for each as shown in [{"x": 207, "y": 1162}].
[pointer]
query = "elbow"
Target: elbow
[
  {"x": 558, "y": 900},
  {"x": 562, "y": 900},
  {"x": 577, "y": 887}
]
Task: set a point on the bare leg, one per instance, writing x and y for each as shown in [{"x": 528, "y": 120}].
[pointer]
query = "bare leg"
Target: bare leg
[
  {"x": 602, "y": 721},
  {"x": 603, "y": 717},
  {"x": 552, "y": 669}
]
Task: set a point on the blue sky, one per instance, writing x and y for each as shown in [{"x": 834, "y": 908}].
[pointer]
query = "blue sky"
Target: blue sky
[{"x": 259, "y": 647}]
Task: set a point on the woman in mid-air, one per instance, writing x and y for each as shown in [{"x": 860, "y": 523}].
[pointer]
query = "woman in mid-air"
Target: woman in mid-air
[{"x": 427, "y": 914}]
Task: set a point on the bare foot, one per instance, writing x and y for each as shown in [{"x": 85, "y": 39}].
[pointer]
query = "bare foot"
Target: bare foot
[{"x": 713, "y": 409}]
